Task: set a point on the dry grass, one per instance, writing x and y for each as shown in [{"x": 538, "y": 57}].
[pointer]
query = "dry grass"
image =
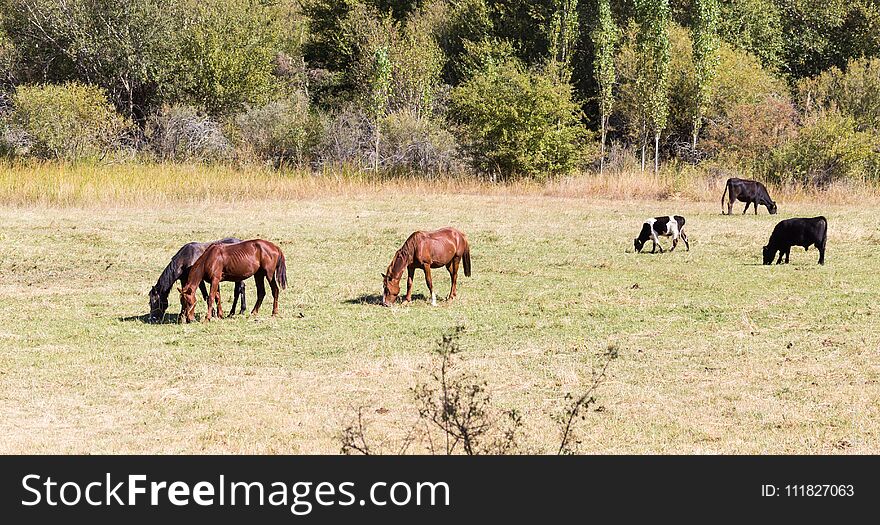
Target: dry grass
[
  {"x": 141, "y": 184},
  {"x": 717, "y": 353}
]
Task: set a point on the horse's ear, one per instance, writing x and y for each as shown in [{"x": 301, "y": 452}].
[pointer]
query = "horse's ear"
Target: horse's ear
[{"x": 383, "y": 276}]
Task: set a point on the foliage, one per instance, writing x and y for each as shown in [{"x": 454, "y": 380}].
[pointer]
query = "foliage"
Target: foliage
[
  {"x": 604, "y": 38},
  {"x": 828, "y": 148},
  {"x": 68, "y": 121},
  {"x": 411, "y": 143},
  {"x": 749, "y": 132},
  {"x": 653, "y": 44},
  {"x": 754, "y": 26},
  {"x": 520, "y": 122},
  {"x": 855, "y": 92},
  {"x": 705, "y": 47},
  {"x": 225, "y": 55},
  {"x": 183, "y": 133},
  {"x": 283, "y": 131},
  {"x": 564, "y": 32}
]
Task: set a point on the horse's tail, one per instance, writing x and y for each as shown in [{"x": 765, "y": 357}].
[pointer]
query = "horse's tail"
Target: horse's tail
[
  {"x": 281, "y": 271},
  {"x": 466, "y": 259},
  {"x": 726, "y": 187}
]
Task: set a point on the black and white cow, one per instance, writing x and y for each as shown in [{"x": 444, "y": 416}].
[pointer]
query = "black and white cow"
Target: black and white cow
[
  {"x": 797, "y": 232},
  {"x": 669, "y": 226},
  {"x": 748, "y": 191}
]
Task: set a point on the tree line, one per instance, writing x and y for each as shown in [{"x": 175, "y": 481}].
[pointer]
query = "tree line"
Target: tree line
[{"x": 786, "y": 89}]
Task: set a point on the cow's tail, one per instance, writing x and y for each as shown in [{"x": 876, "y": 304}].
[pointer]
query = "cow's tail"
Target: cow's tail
[
  {"x": 726, "y": 187},
  {"x": 466, "y": 259},
  {"x": 281, "y": 271},
  {"x": 825, "y": 232}
]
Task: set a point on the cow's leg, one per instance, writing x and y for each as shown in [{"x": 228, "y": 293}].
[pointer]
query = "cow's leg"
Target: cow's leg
[
  {"x": 821, "y": 248},
  {"x": 747, "y": 207},
  {"x": 410, "y": 273},
  {"x": 788, "y": 255},
  {"x": 755, "y": 206},
  {"x": 684, "y": 237},
  {"x": 674, "y": 244},
  {"x": 430, "y": 284},
  {"x": 781, "y": 255},
  {"x": 261, "y": 291}
]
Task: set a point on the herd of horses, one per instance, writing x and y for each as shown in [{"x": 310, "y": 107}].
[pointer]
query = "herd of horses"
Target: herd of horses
[{"x": 231, "y": 259}]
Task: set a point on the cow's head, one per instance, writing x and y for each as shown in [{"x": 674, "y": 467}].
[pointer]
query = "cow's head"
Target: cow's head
[
  {"x": 772, "y": 208},
  {"x": 637, "y": 244},
  {"x": 768, "y": 255}
]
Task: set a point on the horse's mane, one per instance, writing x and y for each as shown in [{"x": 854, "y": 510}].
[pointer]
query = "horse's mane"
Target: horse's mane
[
  {"x": 166, "y": 280},
  {"x": 404, "y": 255}
]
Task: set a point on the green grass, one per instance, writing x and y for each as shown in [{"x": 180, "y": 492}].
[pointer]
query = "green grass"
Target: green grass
[{"x": 717, "y": 353}]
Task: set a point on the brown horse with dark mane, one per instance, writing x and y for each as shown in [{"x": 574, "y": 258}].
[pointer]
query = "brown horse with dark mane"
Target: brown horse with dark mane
[
  {"x": 425, "y": 250},
  {"x": 235, "y": 262}
]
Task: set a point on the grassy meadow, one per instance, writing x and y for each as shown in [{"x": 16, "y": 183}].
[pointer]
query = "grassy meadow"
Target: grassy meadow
[{"x": 717, "y": 353}]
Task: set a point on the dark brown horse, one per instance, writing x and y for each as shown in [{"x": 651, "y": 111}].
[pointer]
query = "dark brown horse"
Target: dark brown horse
[
  {"x": 425, "y": 250},
  {"x": 235, "y": 262}
]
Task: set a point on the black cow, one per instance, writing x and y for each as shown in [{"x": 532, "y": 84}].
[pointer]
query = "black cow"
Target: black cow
[
  {"x": 669, "y": 226},
  {"x": 797, "y": 232},
  {"x": 748, "y": 191}
]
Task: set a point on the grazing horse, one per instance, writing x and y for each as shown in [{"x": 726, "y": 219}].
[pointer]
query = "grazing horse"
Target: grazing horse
[
  {"x": 235, "y": 262},
  {"x": 425, "y": 250},
  {"x": 178, "y": 269}
]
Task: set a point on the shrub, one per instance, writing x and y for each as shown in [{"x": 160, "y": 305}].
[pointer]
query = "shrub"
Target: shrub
[
  {"x": 68, "y": 121},
  {"x": 750, "y": 130},
  {"x": 828, "y": 148},
  {"x": 519, "y": 122},
  {"x": 417, "y": 144},
  {"x": 283, "y": 131},
  {"x": 348, "y": 139},
  {"x": 855, "y": 92},
  {"x": 183, "y": 133}
]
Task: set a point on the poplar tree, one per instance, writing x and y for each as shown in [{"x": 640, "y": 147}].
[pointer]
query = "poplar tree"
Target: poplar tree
[
  {"x": 604, "y": 38},
  {"x": 705, "y": 38},
  {"x": 654, "y": 46}
]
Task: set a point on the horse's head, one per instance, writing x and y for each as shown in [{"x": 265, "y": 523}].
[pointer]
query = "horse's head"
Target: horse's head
[
  {"x": 158, "y": 305},
  {"x": 188, "y": 303},
  {"x": 390, "y": 289}
]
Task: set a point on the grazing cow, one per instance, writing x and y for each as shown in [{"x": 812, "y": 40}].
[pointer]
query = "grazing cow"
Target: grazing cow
[
  {"x": 669, "y": 226},
  {"x": 797, "y": 232},
  {"x": 747, "y": 191}
]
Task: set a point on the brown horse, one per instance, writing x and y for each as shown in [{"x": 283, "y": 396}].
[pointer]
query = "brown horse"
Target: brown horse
[
  {"x": 425, "y": 250},
  {"x": 234, "y": 262}
]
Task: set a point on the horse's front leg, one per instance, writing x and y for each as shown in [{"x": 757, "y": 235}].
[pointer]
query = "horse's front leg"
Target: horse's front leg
[
  {"x": 210, "y": 301},
  {"x": 215, "y": 292},
  {"x": 235, "y": 292},
  {"x": 410, "y": 273},
  {"x": 430, "y": 284}
]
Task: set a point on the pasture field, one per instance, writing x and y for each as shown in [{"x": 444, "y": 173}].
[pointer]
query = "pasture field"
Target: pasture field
[{"x": 717, "y": 353}]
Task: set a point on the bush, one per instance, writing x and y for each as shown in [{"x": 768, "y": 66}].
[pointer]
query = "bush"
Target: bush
[
  {"x": 855, "y": 92},
  {"x": 348, "y": 139},
  {"x": 183, "y": 133},
  {"x": 284, "y": 131},
  {"x": 519, "y": 122},
  {"x": 417, "y": 144},
  {"x": 751, "y": 130},
  {"x": 68, "y": 121},
  {"x": 827, "y": 149}
]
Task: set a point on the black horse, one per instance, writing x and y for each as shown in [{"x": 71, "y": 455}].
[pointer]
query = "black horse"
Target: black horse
[{"x": 178, "y": 269}]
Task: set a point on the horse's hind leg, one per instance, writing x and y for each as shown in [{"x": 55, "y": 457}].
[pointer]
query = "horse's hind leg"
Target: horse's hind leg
[
  {"x": 261, "y": 291},
  {"x": 453, "y": 274},
  {"x": 275, "y": 292},
  {"x": 237, "y": 292}
]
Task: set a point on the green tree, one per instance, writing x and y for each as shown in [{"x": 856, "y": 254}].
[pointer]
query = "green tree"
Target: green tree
[
  {"x": 520, "y": 122},
  {"x": 564, "y": 33},
  {"x": 654, "y": 47},
  {"x": 604, "y": 38},
  {"x": 705, "y": 45},
  {"x": 380, "y": 93}
]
